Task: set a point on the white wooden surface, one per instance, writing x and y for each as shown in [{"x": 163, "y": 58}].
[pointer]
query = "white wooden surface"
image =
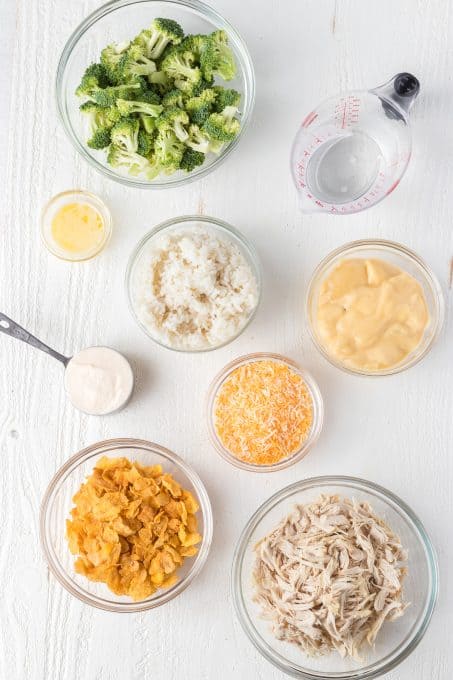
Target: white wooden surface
[{"x": 397, "y": 431}]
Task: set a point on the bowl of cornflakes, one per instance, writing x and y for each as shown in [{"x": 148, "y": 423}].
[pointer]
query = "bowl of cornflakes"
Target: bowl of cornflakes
[{"x": 126, "y": 525}]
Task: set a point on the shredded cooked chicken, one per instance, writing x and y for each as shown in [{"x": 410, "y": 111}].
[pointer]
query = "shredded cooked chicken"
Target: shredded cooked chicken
[{"x": 329, "y": 576}]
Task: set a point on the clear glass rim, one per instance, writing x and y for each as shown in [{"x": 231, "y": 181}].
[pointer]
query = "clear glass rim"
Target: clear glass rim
[
  {"x": 105, "y": 214},
  {"x": 93, "y": 451},
  {"x": 318, "y": 412},
  {"x": 405, "y": 648},
  {"x": 249, "y": 249},
  {"x": 246, "y": 65},
  {"x": 389, "y": 246}
]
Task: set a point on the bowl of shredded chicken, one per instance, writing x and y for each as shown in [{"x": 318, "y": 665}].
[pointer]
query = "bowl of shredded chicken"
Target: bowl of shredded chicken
[{"x": 334, "y": 575}]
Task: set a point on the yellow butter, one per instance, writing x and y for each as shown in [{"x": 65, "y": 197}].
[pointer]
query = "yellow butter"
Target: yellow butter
[{"x": 77, "y": 228}]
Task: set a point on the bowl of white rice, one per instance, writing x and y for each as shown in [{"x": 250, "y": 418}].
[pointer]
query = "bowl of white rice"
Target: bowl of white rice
[{"x": 193, "y": 283}]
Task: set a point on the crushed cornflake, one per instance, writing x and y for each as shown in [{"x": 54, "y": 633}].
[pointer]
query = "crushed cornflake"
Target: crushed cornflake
[
  {"x": 263, "y": 412},
  {"x": 132, "y": 527}
]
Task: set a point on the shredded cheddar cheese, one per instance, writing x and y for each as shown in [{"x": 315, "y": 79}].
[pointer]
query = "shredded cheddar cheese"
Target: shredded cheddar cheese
[{"x": 263, "y": 412}]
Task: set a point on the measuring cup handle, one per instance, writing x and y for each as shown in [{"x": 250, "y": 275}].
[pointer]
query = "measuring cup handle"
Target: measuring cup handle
[{"x": 10, "y": 327}]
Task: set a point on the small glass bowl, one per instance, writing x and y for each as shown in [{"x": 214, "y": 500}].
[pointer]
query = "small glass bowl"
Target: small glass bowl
[
  {"x": 57, "y": 504},
  {"x": 54, "y": 205},
  {"x": 318, "y": 412},
  {"x": 399, "y": 256},
  {"x": 397, "y": 639},
  {"x": 121, "y": 20},
  {"x": 218, "y": 228}
]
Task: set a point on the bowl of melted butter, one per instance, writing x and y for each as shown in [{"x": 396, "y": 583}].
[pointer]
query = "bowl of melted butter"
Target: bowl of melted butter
[{"x": 76, "y": 225}]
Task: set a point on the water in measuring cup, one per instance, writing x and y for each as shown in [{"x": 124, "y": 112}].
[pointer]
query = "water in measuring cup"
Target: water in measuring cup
[{"x": 344, "y": 169}]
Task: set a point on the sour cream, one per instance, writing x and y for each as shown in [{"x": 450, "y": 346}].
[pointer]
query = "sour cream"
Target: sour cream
[{"x": 98, "y": 380}]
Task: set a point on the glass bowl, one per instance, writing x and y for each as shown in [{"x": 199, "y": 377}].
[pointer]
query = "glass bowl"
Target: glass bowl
[
  {"x": 318, "y": 413},
  {"x": 51, "y": 209},
  {"x": 399, "y": 256},
  {"x": 397, "y": 639},
  {"x": 122, "y": 20},
  {"x": 57, "y": 503},
  {"x": 218, "y": 228}
]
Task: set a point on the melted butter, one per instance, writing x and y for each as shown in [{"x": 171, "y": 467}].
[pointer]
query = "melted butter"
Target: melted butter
[
  {"x": 77, "y": 228},
  {"x": 370, "y": 314}
]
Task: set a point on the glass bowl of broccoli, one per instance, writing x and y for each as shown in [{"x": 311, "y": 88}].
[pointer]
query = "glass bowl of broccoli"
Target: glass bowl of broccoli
[{"x": 155, "y": 93}]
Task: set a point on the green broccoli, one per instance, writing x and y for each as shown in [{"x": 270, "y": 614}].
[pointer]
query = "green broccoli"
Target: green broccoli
[
  {"x": 148, "y": 123},
  {"x": 155, "y": 39},
  {"x": 108, "y": 96},
  {"x": 152, "y": 103},
  {"x": 125, "y": 134},
  {"x": 145, "y": 143},
  {"x": 198, "y": 140},
  {"x": 200, "y": 107},
  {"x": 133, "y": 162},
  {"x": 217, "y": 58},
  {"x": 95, "y": 76},
  {"x": 126, "y": 107},
  {"x": 225, "y": 97},
  {"x": 173, "y": 98},
  {"x": 160, "y": 80},
  {"x": 174, "y": 119},
  {"x": 179, "y": 66},
  {"x": 222, "y": 127},
  {"x": 154, "y": 168},
  {"x": 100, "y": 117},
  {"x": 201, "y": 86},
  {"x": 191, "y": 159},
  {"x": 196, "y": 44},
  {"x": 111, "y": 57},
  {"x": 168, "y": 149},
  {"x": 100, "y": 139},
  {"x": 134, "y": 63}
]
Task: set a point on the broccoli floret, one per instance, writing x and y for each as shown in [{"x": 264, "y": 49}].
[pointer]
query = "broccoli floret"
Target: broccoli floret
[
  {"x": 100, "y": 117},
  {"x": 130, "y": 160},
  {"x": 126, "y": 107},
  {"x": 200, "y": 107},
  {"x": 145, "y": 143},
  {"x": 168, "y": 149},
  {"x": 191, "y": 159},
  {"x": 222, "y": 127},
  {"x": 201, "y": 86},
  {"x": 195, "y": 44},
  {"x": 155, "y": 39},
  {"x": 225, "y": 97},
  {"x": 100, "y": 139},
  {"x": 108, "y": 96},
  {"x": 174, "y": 119},
  {"x": 111, "y": 57},
  {"x": 134, "y": 63},
  {"x": 154, "y": 167},
  {"x": 147, "y": 95},
  {"x": 178, "y": 65},
  {"x": 198, "y": 140},
  {"x": 95, "y": 76},
  {"x": 217, "y": 58},
  {"x": 173, "y": 98},
  {"x": 125, "y": 134},
  {"x": 161, "y": 81},
  {"x": 148, "y": 123}
]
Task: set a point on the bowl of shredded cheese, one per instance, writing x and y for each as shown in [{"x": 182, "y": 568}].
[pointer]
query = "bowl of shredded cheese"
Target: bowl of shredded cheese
[
  {"x": 264, "y": 412},
  {"x": 193, "y": 283}
]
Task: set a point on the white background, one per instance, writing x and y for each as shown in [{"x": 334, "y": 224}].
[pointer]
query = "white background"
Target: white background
[{"x": 396, "y": 431}]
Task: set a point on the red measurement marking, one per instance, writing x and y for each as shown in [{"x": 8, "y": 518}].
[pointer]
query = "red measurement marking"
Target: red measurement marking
[
  {"x": 393, "y": 186},
  {"x": 309, "y": 119}
]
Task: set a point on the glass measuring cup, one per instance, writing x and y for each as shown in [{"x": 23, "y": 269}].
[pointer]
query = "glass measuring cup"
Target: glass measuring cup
[{"x": 352, "y": 151}]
